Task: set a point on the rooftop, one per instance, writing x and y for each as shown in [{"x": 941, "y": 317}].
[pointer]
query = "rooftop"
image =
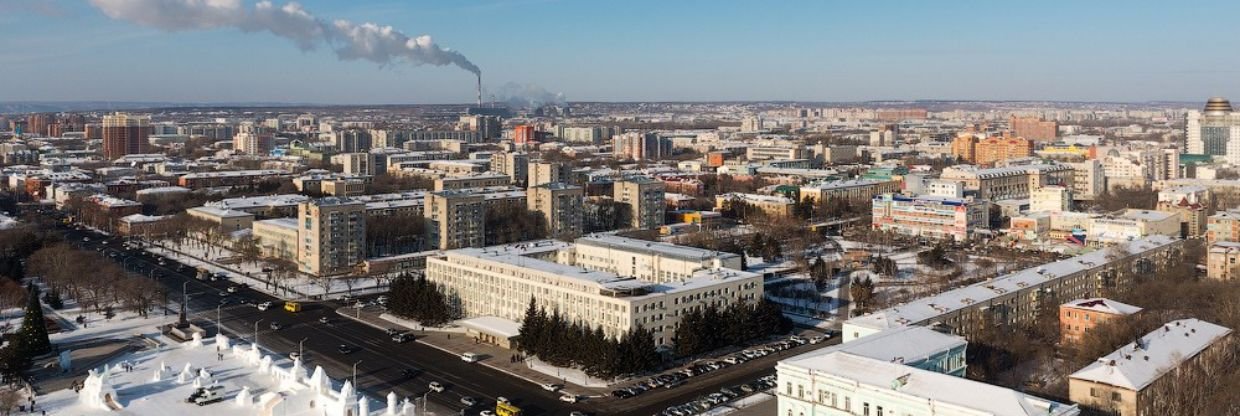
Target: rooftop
[
  {"x": 898, "y": 345},
  {"x": 924, "y": 309},
  {"x": 1143, "y": 361},
  {"x": 843, "y": 184},
  {"x": 1103, "y": 305},
  {"x": 616, "y": 242},
  {"x": 941, "y": 391},
  {"x": 252, "y": 202},
  {"x": 233, "y": 173}
]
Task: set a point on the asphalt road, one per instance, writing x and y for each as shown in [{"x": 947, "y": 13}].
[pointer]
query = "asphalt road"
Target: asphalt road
[{"x": 379, "y": 360}]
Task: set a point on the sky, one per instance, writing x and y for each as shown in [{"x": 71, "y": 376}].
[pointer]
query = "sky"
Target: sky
[{"x": 637, "y": 50}]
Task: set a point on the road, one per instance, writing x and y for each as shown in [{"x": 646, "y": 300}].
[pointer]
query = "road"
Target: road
[{"x": 380, "y": 361}]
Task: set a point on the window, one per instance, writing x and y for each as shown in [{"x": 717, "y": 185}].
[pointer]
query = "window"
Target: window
[
  {"x": 1093, "y": 392},
  {"x": 865, "y": 409},
  {"x": 880, "y": 411},
  {"x": 1115, "y": 396},
  {"x": 789, "y": 389}
]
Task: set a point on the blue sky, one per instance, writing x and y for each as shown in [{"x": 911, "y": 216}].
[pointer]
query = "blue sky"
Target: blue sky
[{"x": 651, "y": 50}]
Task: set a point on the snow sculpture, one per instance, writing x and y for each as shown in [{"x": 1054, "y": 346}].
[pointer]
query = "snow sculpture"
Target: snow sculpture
[
  {"x": 243, "y": 398},
  {"x": 391, "y": 404},
  {"x": 97, "y": 391}
]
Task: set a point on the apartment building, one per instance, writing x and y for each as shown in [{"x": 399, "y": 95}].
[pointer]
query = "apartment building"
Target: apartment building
[
  {"x": 1078, "y": 317},
  {"x": 561, "y": 206},
  {"x": 1050, "y": 199},
  {"x": 542, "y": 173},
  {"x": 277, "y": 238},
  {"x": 1128, "y": 381},
  {"x": 457, "y": 218},
  {"x": 776, "y": 152},
  {"x": 770, "y": 205},
  {"x": 1223, "y": 226},
  {"x": 1140, "y": 168},
  {"x": 333, "y": 236},
  {"x": 356, "y": 163},
  {"x": 1015, "y": 297},
  {"x": 1012, "y": 182},
  {"x": 1192, "y": 203},
  {"x": 470, "y": 181},
  {"x": 930, "y": 216},
  {"x": 500, "y": 282},
  {"x": 1223, "y": 260},
  {"x": 1089, "y": 179},
  {"x": 987, "y": 151},
  {"x": 644, "y": 200},
  {"x": 853, "y": 190},
  {"x": 200, "y": 180},
  {"x": 1132, "y": 224},
  {"x": 1034, "y": 128},
  {"x": 513, "y": 164},
  {"x": 226, "y": 220}
]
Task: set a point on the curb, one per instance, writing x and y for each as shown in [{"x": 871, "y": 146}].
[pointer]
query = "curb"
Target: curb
[{"x": 484, "y": 363}]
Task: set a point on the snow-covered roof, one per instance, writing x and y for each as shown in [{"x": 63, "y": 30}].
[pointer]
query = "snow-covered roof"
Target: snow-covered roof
[
  {"x": 161, "y": 190},
  {"x": 942, "y": 391},
  {"x": 927, "y": 308},
  {"x": 616, "y": 242},
  {"x": 1143, "y": 361},
  {"x": 1103, "y": 305},
  {"x": 899, "y": 345},
  {"x": 492, "y": 325},
  {"x": 251, "y": 202}
]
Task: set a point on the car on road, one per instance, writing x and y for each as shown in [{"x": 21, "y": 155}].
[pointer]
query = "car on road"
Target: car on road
[
  {"x": 233, "y": 289},
  {"x": 470, "y": 357},
  {"x": 325, "y": 320},
  {"x": 502, "y": 399},
  {"x": 276, "y": 325},
  {"x": 392, "y": 331},
  {"x": 86, "y": 239},
  {"x": 162, "y": 262},
  {"x": 401, "y": 338},
  {"x": 568, "y": 398},
  {"x": 264, "y": 305},
  {"x": 817, "y": 339},
  {"x": 344, "y": 349},
  {"x": 551, "y": 386},
  {"x": 486, "y": 413},
  {"x": 435, "y": 387},
  {"x": 468, "y": 401},
  {"x": 408, "y": 372},
  {"x": 223, "y": 294}
]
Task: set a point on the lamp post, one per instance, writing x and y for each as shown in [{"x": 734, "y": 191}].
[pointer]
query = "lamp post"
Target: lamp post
[
  {"x": 218, "y": 326},
  {"x": 355, "y": 373},
  {"x": 256, "y": 332},
  {"x": 184, "y": 300}
]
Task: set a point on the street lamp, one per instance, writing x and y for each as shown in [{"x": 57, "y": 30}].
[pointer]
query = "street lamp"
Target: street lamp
[
  {"x": 355, "y": 374},
  {"x": 218, "y": 327},
  {"x": 256, "y": 332},
  {"x": 184, "y": 300}
]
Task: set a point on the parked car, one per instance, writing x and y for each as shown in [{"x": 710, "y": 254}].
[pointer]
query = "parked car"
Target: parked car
[
  {"x": 344, "y": 349},
  {"x": 817, "y": 339},
  {"x": 468, "y": 401},
  {"x": 264, "y": 306},
  {"x": 233, "y": 289},
  {"x": 401, "y": 338},
  {"x": 551, "y": 386},
  {"x": 276, "y": 325},
  {"x": 436, "y": 387},
  {"x": 568, "y": 398}
]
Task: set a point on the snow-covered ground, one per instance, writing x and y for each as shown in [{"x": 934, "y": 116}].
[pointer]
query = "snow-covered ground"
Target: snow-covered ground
[
  {"x": 570, "y": 375},
  {"x": 158, "y": 382},
  {"x": 195, "y": 255}
]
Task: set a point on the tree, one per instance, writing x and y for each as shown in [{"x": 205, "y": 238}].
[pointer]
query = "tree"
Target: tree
[
  {"x": 418, "y": 299},
  {"x": 862, "y": 293},
  {"x": 32, "y": 337},
  {"x": 771, "y": 250}
]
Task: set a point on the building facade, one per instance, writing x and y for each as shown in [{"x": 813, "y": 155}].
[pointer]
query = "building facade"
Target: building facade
[
  {"x": 1078, "y": 317},
  {"x": 125, "y": 134},
  {"x": 644, "y": 200},
  {"x": 934, "y": 217},
  {"x": 560, "y": 205},
  {"x": 333, "y": 236}
]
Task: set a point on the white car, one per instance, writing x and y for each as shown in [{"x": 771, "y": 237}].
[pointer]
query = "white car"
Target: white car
[
  {"x": 551, "y": 387},
  {"x": 435, "y": 387},
  {"x": 470, "y": 357},
  {"x": 264, "y": 306},
  {"x": 817, "y": 339},
  {"x": 568, "y": 398}
]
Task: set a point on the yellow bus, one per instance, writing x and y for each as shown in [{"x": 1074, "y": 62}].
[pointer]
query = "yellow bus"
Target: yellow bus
[
  {"x": 505, "y": 409},
  {"x": 292, "y": 307}
]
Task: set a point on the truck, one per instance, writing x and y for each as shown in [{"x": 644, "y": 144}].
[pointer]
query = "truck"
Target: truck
[{"x": 208, "y": 397}]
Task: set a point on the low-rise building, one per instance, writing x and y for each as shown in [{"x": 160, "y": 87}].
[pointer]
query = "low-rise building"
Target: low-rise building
[
  {"x": 1128, "y": 381},
  {"x": 1011, "y": 182},
  {"x": 1223, "y": 260},
  {"x": 935, "y": 217},
  {"x": 226, "y": 178},
  {"x": 770, "y": 205},
  {"x": 226, "y": 220},
  {"x": 501, "y": 281},
  {"x": 1078, "y": 317},
  {"x": 1132, "y": 224},
  {"x": 854, "y": 190},
  {"x": 1223, "y": 226},
  {"x": 277, "y": 238},
  {"x": 1192, "y": 203}
]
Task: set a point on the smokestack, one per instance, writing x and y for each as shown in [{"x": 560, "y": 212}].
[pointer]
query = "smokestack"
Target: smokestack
[{"x": 479, "y": 89}]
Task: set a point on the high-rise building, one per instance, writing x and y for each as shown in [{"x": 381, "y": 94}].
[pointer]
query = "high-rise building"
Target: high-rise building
[
  {"x": 542, "y": 173},
  {"x": 125, "y": 134},
  {"x": 1033, "y": 128},
  {"x": 640, "y": 146},
  {"x": 751, "y": 124},
  {"x": 513, "y": 164},
  {"x": 987, "y": 151},
  {"x": 356, "y": 163},
  {"x": 353, "y": 140},
  {"x": 457, "y": 218},
  {"x": 333, "y": 235},
  {"x": 644, "y": 199},
  {"x": 1214, "y": 131},
  {"x": 37, "y": 124},
  {"x": 561, "y": 205},
  {"x": 523, "y": 134},
  {"x": 253, "y": 143},
  {"x": 488, "y": 127}
]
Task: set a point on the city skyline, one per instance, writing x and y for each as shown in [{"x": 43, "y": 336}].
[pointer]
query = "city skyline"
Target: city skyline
[{"x": 644, "y": 51}]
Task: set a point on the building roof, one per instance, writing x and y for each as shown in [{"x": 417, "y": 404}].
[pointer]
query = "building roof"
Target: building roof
[
  {"x": 898, "y": 345},
  {"x": 649, "y": 247},
  {"x": 1143, "y": 361},
  {"x": 286, "y": 223},
  {"x": 1147, "y": 215},
  {"x": 930, "y": 307},
  {"x": 219, "y": 212},
  {"x": 940, "y": 390},
  {"x": 492, "y": 325},
  {"x": 162, "y": 190},
  {"x": 1103, "y": 305},
  {"x": 233, "y": 173},
  {"x": 251, "y": 202},
  {"x": 850, "y": 183}
]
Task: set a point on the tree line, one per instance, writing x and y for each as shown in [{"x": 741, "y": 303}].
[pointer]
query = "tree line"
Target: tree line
[
  {"x": 711, "y": 328},
  {"x": 96, "y": 282},
  {"x": 419, "y": 299},
  {"x": 555, "y": 340}
]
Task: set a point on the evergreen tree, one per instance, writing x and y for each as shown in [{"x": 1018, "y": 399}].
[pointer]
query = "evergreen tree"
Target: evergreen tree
[{"x": 32, "y": 337}]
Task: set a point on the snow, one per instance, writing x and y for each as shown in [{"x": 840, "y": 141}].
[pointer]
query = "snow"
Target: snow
[
  {"x": 161, "y": 380},
  {"x": 1104, "y": 306},
  {"x": 569, "y": 375},
  {"x": 1141, "y": 362}
]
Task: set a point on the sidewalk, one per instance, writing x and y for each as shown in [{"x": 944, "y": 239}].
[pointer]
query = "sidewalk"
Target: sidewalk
[{"x": 456, "y": 344}]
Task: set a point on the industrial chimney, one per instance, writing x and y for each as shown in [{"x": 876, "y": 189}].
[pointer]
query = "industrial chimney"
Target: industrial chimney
[{"x": 479, "y": 89}]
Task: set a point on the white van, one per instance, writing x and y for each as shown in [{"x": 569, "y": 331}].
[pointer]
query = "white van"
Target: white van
[{"x": 470, "y": 357}]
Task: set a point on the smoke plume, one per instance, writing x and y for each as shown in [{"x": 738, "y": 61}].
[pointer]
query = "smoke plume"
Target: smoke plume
[
  {"x": 527, "y": 95},
  {"x": 383, "y": 45}
]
